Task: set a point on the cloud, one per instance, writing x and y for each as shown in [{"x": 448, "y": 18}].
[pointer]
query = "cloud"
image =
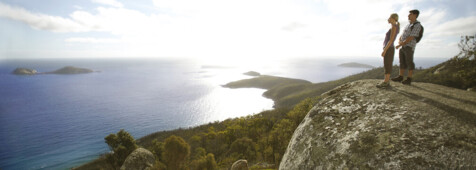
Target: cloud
[
  {"x": 112, "y": 20},
  {"x": 244, "y": 27},
  {"x": 113, "y": 3},
  {"x": 118, "y": 21},
  {"x": 41, "y": 21},
  {"x": 92, "y": 40},
  {"x": 457, "y": 27},
  {"x": 293, "y": 26}
]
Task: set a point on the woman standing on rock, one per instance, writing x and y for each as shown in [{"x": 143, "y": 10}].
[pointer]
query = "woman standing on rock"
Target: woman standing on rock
[{"x": 388, "y": 49}]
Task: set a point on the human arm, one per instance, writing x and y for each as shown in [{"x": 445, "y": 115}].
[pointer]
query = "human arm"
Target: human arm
[
  {"x": 414, "y": 32},
  {"x": 406, "y": 41}
]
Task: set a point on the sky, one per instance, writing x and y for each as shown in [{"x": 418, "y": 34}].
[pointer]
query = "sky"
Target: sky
[{"x": 224, "y": 29}]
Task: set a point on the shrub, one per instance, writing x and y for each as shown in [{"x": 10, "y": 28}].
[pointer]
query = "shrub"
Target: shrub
[
  {"x": 121, "y": 145},
  {"x": 176, "y": 152}
]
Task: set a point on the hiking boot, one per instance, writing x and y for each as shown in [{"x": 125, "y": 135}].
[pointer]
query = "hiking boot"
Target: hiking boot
[
  {"x": 407, "y": 81},
  {"x": 383, "y": 85},
  {"x": 398, "y": 79}
]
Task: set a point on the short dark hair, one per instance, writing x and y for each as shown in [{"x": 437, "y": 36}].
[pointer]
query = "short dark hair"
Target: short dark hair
[{"x": 416, "y": 12}]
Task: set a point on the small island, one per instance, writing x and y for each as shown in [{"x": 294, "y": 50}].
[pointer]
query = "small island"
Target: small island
[
  {"x": 71, "y": 70},
  {"x": 64, "y": 70},
  {"x": 252, "y": 73},
  {"x": 355, "y": 65},
  {"x": 24, "y": 71}
]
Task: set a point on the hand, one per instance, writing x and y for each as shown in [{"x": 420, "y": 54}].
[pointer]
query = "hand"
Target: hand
[
  {"x": 383, "y": 53},
  {"x": 398, "y": 46}
]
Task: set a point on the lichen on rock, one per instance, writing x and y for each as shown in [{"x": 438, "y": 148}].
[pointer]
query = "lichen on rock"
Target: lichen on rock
[
  {"x": 139, "y": 159},
  {"x": 357, "y": 125}
]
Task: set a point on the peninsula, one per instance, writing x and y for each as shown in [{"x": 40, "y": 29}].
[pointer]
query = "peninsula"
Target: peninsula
[{"x": 355, "y": 65}]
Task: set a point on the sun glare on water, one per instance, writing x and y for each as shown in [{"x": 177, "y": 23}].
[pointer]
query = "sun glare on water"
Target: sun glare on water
[{"x": 223, "y": 103}]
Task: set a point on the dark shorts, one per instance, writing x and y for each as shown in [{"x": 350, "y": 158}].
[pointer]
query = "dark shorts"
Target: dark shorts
[
  {"x": 406, "y": 58},
  {"x": 388, "y": 60}
]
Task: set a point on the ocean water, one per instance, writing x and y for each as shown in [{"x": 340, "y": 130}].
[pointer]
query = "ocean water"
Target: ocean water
[{"x": 60, "y": 121}]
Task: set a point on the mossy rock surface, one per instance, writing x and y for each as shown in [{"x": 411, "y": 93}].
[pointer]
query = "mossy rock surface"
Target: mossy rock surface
[{"x": 356, "y": 125}]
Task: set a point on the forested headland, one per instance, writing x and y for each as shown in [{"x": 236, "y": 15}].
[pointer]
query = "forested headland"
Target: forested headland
[{"x": 262, "y": 138}]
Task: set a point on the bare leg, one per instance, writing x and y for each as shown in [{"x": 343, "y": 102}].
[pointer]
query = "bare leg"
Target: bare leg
[
  {"x": 402, "y": 71},
  {"x": 410, "y": 73},
  {"x": 387, "y": 77}
]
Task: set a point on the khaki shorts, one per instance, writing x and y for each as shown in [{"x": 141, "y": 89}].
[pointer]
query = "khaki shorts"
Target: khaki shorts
[{"x": 406, "y": 58}]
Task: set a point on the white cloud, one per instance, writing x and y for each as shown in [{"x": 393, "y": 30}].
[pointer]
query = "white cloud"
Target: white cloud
[
  {"x": 457, "y": 27},
  {"x": 41, "y": 21},
  {"x": 92, "y": 40},
  {"x": 246, "y": 27},
  {"x": 113, "y": 20},
  {"x": 293, "y": 26},
  {"x": 113, "y": 3},
  {"x": 118, "y": 21}
]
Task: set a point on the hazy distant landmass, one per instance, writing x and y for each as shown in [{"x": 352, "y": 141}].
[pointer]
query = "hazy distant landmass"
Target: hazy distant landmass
[
  {"x": 216, "y": 67},
  {"x": 265, "y": 82},
  {"x": 252, "y": 73},
  {"x": 71, "y": 70},
  {"x": 356, "y": 65},
  {"x": 64, "y": 70}
]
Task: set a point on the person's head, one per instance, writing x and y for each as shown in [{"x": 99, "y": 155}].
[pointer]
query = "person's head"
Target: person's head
[
  {"x": 413, "y": 15},
  {"x": 393, "y": 18}
]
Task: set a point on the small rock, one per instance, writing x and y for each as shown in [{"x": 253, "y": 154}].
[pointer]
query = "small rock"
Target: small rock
[{"x": 139, "y": 159}]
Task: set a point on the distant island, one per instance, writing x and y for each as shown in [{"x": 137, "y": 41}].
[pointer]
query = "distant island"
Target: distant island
[
  {"x": 64, "y": 70},
  {"x": 252, "y": 73},
  {"x": 24, "y": 71},
  {"x": 355, "y": 65},
  {"x": 71, "y": 70}
]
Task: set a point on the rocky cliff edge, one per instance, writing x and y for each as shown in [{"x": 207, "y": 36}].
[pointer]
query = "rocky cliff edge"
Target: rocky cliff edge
[{"x": 358, "y": 126}]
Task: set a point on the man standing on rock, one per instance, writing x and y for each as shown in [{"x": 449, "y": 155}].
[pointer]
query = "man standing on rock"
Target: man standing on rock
[{"x": 408, "y": 40}]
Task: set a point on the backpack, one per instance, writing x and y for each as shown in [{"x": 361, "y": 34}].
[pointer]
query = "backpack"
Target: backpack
[{"x": 420, "y": 34}]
